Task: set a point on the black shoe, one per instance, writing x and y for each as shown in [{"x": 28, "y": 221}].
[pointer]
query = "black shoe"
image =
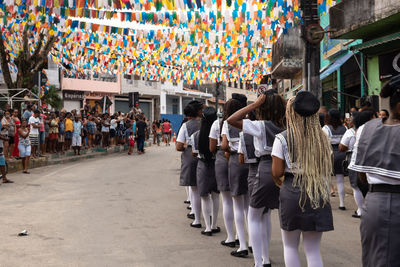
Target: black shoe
[
  {"x": 342, "y": 208},
  {"x": 195, "y": 225},
  {"x": 229, "y": 244},
  {"x": 267, "y": 265},
  {"x": 355, "y": 215},
  {"x": 216, "y": 230},
  {"x": 186, "y": 202},
  {"x": 189, "y": 208},
  {"x": 240, "y": 254},
  {"x": 250, "y": 249},
  {"x": 206, "y": 233},
  {"x": 190, "y": 216},
  {"x": 237, "y": 242}
]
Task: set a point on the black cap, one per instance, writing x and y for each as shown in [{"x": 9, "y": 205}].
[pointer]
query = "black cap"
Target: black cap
[
  {"x": 240, "y": 97},
  {"x": 306, "y": 104}
]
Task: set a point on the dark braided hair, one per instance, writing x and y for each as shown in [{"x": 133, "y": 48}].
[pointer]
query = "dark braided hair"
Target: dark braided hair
[
  {"x": 209, "y": 116},
  {"x": 273, "y": 109}
]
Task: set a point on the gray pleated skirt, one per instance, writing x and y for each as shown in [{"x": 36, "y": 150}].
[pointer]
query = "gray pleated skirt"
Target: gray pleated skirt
[
  {"x": 221, "y": 171},
  {"x": 206, "y": 183},
  {"x": 188, "y": 168},
  {"x": 251, "y": 178},
  {"x": 353, "y": 176},
  {"x": 380, "y": 230},
  {"x": 293, "y": 218},
  {"x": 238, "y": 174},
  {"x": 339, "y": 157},
  {"x": 265, "y": 193}
]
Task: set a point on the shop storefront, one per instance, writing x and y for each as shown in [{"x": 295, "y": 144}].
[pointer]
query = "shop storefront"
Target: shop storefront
[
  {"x": 87, "y": 92},
  {"x": 72, "y": 99}
]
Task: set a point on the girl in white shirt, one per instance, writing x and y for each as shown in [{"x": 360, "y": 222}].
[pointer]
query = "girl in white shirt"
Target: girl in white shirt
[
  {"x": 376, "y": 157},
  {"x": 303, "y": 155},
  {"x": 270, "y": 110},
  {"x": 221, "y": 175},
  {"x": 237, "y": 173}
]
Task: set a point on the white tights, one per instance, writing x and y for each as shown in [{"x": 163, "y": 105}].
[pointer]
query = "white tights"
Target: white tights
[
  {"x": 187, "y": 188},
  {"x": 196, "y": 204},
  {"x": 228, "y": 214},
  {"x": 239, "y": 209},
  {"x": 359, "y": 199},
  {"x": 311, "y": 244},
  {"x": 340, "y": 186},
  {"x": 210, "y": 207},
  {"x": 260, "y": 234}
]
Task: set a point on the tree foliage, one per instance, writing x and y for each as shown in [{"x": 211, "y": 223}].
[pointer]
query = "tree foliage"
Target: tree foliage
[{"x": 35, "y": 46}]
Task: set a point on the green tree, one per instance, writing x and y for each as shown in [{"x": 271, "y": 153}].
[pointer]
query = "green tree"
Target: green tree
[
  {"x": 28, "y": 61},
  {"x": 52, "y": 97}
]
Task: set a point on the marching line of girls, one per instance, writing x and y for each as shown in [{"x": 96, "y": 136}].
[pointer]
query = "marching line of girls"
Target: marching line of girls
[{"x": 275, "y": 155}]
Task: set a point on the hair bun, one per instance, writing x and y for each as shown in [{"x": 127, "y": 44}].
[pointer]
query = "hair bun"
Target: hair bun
[{"x": 391, "y": 87}]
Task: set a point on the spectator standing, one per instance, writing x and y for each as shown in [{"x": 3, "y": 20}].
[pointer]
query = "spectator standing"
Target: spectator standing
[
  {"x": 141, "y": 127},
  {"x": 69, "y": 128},
  {"x": 5, "y": 129},
  {"x": 42, "y": 134},
  {"x": 131, "y": 143},
  {"x": 53, "y": 133},
  {"x": 61, "y": 133},
  {"x": 91, "y": 130},
  {"x": 77, "y": 135},
  {"x": 113, "y": 129},
  {"x": 27, "y": 113},
  {"x": 34, "y": 123},
  {"x": 2, "y": 159},
  {"x": 105, "y": 130},
  {"x": 17, "y": 122},
  {"x": 154, "y": 132},
  {"x": 11, "y": 135},
  {"x": 166, "y": 132},
  {"x": 24, "y": 145}
]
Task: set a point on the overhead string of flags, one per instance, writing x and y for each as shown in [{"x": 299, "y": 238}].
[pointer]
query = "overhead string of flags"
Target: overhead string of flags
[{"x": 202, "y": 41}]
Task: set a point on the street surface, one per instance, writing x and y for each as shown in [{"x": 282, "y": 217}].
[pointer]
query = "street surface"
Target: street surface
[{"x": 125, "y": 210}]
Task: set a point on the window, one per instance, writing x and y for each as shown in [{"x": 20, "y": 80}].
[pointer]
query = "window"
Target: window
[{"x": 174, "y": 109}]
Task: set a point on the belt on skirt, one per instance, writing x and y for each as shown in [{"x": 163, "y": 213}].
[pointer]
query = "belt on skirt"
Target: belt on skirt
[
  {"x": 385, "y": 188},
  {"x": 265, "y": 157}
]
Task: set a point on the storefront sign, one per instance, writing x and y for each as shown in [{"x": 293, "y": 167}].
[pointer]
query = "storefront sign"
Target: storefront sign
[
  {"x": 72, "y": 95},
  {"x": 96, "y": 95},
  {"x": 389, "y": 65}
]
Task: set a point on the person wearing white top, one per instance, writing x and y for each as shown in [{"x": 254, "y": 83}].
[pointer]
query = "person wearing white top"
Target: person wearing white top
[
  {"x": 335, "y": 130},
  {"x": 346, "y": 145},
  {"x": 302, "y": 154},
  {"x": 237, "y": 173},
  {"x": 270, "y": 110},
  {"x": 188, "y": 162},
  {"x": 221, "y": 175},
  {"x": 376, "y": 157},
  {"x": 206, "y": 182}
]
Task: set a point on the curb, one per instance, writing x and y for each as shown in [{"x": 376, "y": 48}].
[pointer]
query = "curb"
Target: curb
[{"x": 54, "y": 159}]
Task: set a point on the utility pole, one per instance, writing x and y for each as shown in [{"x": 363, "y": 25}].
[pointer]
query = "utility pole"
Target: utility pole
[
  {"x": 311, "y": 62},
  {"x": 217, "y": 92}
]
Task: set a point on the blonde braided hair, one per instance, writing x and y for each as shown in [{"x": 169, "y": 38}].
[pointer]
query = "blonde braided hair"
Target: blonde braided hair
[{"x": 310, "y": 150}]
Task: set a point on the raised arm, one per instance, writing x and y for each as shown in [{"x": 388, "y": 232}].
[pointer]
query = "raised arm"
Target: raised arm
[{"x": 236, "y": 119}]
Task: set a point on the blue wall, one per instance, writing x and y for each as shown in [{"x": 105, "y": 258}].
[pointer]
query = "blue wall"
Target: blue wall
[{"x": 175, "y": 120}]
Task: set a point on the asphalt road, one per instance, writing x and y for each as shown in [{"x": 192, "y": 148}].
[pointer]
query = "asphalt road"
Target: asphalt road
[{"x": 125, "y": 210}]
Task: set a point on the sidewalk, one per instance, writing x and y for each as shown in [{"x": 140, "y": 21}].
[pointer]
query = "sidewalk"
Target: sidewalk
[{"x": 53, "y": 159}]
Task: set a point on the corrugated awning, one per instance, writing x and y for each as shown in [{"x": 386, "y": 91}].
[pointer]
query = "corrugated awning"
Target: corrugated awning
[
  {"x": 376, "y": 42},
  {"x": 335, "y": 65}
]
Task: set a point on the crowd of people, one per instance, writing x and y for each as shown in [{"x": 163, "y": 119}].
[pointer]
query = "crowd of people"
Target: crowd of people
[
  {"x": 37, "y": 131},
  {"x": 277, "y": 154}
]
